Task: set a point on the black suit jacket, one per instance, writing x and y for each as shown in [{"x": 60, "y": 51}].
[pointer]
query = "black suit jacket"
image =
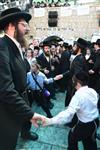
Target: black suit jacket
[
  {"x": 44, "y": 64},
  {"x": 14, "y": 107},
  {"x": 78, "y": 64},
  {"x": 65, "y": 61},
  {"x": 96, "y": 69}
]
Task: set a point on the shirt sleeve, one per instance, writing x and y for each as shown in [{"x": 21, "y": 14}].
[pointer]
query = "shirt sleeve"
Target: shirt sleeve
[
  {"x": 28, "y": 80},
  {"x": 48, "y": 80},
  {"x": 67, "y": 115}
]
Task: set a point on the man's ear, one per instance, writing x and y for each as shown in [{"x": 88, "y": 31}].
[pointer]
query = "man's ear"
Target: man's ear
[{"x": 78, "y": 85}]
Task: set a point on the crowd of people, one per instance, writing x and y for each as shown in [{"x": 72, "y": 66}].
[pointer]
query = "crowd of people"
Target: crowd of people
[
  {"x": 27, "y": 72},
  {"x": 52, "y": 4},
  {"x": 29, "y": 4}
]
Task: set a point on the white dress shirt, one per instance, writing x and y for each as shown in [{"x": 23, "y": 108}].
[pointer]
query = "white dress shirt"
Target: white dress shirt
[{"x": 83, "y": 103}]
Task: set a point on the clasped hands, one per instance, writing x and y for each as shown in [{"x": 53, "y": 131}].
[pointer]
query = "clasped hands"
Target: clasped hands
[{"x": 38, "y": 119}]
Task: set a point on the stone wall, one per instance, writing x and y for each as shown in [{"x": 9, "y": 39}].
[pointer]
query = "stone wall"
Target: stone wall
[{"x": 69, "y": 27}]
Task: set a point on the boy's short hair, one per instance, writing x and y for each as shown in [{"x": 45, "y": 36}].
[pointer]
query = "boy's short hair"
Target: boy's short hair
[
  {"x": 81, "y": 77},
  {"x": 35, "y": 63}
]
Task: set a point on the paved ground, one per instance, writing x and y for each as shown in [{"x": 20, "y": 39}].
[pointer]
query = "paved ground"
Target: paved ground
[{"x": 52, "y": 137}]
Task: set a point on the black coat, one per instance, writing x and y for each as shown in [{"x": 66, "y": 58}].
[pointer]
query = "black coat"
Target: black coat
[
  {"x": 96, "y": 69},
  {"x": 44, "y": 64},
  {"x": 14, "y": 109},
  {"x": 78, "y": 64},
  {"x": 65, "y": 61}
]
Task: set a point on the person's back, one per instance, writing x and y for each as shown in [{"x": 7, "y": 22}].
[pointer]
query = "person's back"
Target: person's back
[{"x": 88, "y": 99}]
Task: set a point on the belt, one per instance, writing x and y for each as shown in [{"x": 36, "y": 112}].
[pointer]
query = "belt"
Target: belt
[
  {"x": 95, "y": 120},
  {"x": 36, "y": 90}
]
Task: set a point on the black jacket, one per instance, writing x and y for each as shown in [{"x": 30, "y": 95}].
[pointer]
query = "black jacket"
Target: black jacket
[{"x": 14, "y": 107}]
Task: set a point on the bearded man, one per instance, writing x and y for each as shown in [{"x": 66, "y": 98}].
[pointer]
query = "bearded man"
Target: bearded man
[
  {"x": 77, "y": 65},
  {"x": 47, "y": 67},
  {"x": 14, "y": 104}
]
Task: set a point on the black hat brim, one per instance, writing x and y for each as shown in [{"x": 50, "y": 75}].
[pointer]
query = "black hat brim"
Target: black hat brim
[
  {"x": 82, "y": 43},
  {"x": 12, "y": 17}
]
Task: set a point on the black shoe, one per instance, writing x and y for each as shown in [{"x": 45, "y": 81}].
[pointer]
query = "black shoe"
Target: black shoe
[
  {"x": 49, "y": 115},
  {"x": 29, "y": 136}
]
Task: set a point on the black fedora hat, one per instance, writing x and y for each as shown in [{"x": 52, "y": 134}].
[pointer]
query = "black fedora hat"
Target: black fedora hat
[
  {"x": 65, "y": 44},
  {"x": 82, "y": 43},
  {"x": 43, "y": 43},
  {"x": 12, "y": 14},
  {"x": 98, "y": 42}
]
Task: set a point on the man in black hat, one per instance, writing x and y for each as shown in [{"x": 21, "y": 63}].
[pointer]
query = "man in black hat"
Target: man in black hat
[
  {"x": 64, "y": 64},
  {"x": 96, "y": 68},
  {"x": 95, "y": 71},
  {"x": 84, "y": 104},
  {"x": 45, "y": 61},
  {"x": 14, "y": 105},
  {"x": 78, "y": 64}
]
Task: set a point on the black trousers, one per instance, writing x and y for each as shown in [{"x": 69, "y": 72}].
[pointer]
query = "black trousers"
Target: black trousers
[
  {"x": 85, "y": 132},
  {"x": 43, "y": 102},
  {"x": 70, "y": 92},
  {"x": 27, "y": 125}
]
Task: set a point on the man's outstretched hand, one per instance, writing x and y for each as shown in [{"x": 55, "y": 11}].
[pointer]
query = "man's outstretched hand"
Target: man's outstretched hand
[
  {"x": 46, "y": 122},
  {"x": 38, "y": 119}
]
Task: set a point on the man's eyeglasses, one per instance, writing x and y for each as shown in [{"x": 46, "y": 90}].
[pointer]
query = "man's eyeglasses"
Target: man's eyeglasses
[{"x": 24, "y": 24}]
